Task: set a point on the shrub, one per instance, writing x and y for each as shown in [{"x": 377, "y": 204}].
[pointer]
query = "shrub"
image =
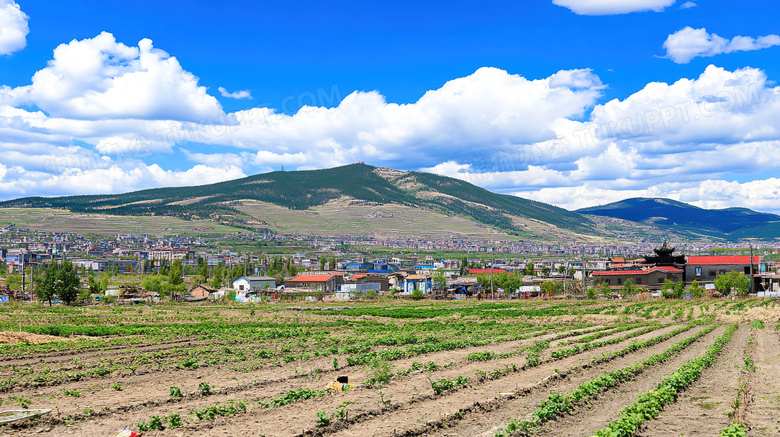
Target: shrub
[{"x": 379, "y": 371}]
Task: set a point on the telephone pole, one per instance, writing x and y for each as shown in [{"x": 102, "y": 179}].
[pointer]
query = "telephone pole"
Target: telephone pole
[{"x": 492, "y": 293}]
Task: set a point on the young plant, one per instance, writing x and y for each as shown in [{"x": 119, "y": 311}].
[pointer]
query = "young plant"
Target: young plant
[
  {"x": 341, "y": 411},
  {"x": 176, "y": 392},
  {"x": 323, "y": 419},
  {"x": 385, "y": 403},
  {"x": 204, "y": 389}
]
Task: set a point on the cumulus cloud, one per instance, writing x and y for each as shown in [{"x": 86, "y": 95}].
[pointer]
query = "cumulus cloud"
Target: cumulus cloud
[
  {"x": 546, "y": 138},
  {"x": 13, "y": 27},
  {"x": 613, "y": 7},
  {"x": 99, "y": 78},
  {"x": 688, "y": 43},
  {"x": 487, "y": 110},
  {"x": 112, "y": 179},
  {"x": 688, "y": 5},
  {"x": 243, "y": 94}
]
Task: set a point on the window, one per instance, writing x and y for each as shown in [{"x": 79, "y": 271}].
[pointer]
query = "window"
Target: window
[
  {"x": 711, "y": 272},
  {"x": 660, "y": 280},
  {"x": 698, "y": 271},
  {"x": 618, "y": 281},
  {"x": 638, "y": 281}
]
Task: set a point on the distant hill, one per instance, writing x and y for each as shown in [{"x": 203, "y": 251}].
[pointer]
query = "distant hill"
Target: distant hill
[
  {"x": 721, "y": 223},
  {"x": 301, "y": 190}
]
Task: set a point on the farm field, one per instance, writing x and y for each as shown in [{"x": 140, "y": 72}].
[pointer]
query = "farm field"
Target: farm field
[{"x": 499, "y": 368}]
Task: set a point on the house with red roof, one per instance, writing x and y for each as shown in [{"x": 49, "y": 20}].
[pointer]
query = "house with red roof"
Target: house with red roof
[
  {"x": 327, "y": 283},
  {"x": 707, "y": 268}
]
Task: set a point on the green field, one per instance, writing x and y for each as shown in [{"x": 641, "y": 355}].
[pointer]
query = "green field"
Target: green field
[{"x": 457, "y": 368}]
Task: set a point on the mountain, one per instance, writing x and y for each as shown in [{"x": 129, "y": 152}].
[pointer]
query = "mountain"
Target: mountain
[
  {"x": 666, "y": 213},
  {"x": 301, "y": 190}
]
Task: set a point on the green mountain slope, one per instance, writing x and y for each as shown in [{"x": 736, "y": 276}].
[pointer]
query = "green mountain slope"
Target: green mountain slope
[
  {"x": 721, "y": 223},
  {"x": 306, "y": 189}
]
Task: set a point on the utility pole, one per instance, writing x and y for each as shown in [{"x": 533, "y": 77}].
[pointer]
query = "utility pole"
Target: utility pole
[
  {"x": 751, "y": 268},
  {"x": 584, "y": 270},
  {"x": 492, "y": 293}
]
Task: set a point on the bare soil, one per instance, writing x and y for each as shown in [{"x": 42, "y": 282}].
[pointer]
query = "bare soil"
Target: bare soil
[{"x": 703, "y": 409}]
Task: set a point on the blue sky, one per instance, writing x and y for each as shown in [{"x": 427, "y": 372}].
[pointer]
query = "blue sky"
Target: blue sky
[{"x": 502, "y": 94}]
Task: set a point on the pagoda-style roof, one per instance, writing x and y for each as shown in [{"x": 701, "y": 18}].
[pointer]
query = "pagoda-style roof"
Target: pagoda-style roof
[{"x": 664, "y": 256}]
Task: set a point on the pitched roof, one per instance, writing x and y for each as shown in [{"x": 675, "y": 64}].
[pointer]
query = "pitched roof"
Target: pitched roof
[
  {"x": 312, "y": 278},
  {"x": 638, "y": 272},
  {"x": 723, "y": 259},
  {"x": 485, "y": 271}
]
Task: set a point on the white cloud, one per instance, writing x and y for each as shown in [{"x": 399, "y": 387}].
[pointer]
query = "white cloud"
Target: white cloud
[
  {"x": 99, "y": 78},
  {"x": 112, "y": 179},
  {"x": 243, "y": 94},
  {"x": 688, "y": 5},
  {"x": 488, "y": 110},
  {"x": 688, "y": 43},
  {"x": 13, "y": 27},
  {"x": 613, "y": 7},
  {"x": 545, "y": 138}
]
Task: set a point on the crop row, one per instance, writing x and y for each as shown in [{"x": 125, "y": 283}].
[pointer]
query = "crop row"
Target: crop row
[
  {"x": 650, "y": 403},
  {"x": 557, "y": 404}
]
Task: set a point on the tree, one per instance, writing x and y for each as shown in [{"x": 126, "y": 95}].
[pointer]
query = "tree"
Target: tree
[
  {"x": 94, "y": 285},
  {"x": 667, "y": 289},
  {"x": 47, "y": 285},
  {"x": 629, "y": 288},
  {"x": 463, "y": 265},
  {"x": 216, "y": 281},
  {"x": 68, "y": 283},
  {"x": 14, "y": 281},
  {"x": 571, "y": 272},
  {"x": 561, "y": 270},
  {"x": 62, "y": 281},
  {"x": 695, "y": 290},
  {"x": 323, "y": 261},
  {"x": 605, "y": 290},
  {"x": 105, "y": 281},
  {"x": 732, "y": 282},
  {"x": 417, "y": 294},
  {"x": 529, "y": 269},
  {"x": 592, "y": 292},
  {"x": 551, "y": 288},
  {"x": 545, "y": 271},
  {"x": 176, "y": 275},
  {"x": 3, "y": 268},
  {"x": 439, "y": 281}
]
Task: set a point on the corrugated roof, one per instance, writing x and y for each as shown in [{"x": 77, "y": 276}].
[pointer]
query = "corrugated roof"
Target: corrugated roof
[
  {"x": 312, "y": 278},
  {"x": 485, "y": 271},
  {"x": 723, "y": 259}
]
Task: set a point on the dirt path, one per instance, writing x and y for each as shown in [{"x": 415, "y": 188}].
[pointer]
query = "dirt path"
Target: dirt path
[
  {"x": 486, "y": 423},
  {"x": 606, "y": 409},
  {"x": 703, "y": 409},
  {"x": 763, "y": 414}
]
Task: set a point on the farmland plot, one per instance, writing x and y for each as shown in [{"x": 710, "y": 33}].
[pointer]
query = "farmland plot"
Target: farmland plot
[{"x": 416, "y": 368}]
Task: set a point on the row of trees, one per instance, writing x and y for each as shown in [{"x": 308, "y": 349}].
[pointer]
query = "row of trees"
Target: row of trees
[{"x": 732, "y": 283}]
